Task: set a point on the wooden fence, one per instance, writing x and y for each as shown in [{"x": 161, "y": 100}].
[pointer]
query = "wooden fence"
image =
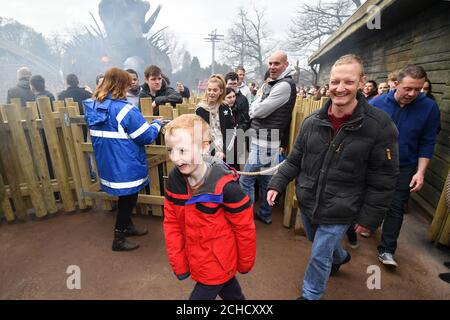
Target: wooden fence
[{"x": 45, "y": 160}]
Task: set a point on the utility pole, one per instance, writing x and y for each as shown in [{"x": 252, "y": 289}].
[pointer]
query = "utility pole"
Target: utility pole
[{"x": 213, "y": 37}]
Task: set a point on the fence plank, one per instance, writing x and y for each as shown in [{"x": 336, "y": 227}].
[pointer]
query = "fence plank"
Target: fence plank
[
  {"x": 4, "y": 202},
  {"x": 146, "y": 106},
  {"x": 39, "y": 153},
  {"x": 69, "y": 142},
  {"x": 56, "y": 153},
  {"x": 12, "y": 169},
  {"x": 78, "y": 139},
  {"x": 25, "y": 158}
]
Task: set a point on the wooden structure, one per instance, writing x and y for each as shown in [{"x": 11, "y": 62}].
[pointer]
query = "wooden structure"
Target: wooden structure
[{"x": 410, "y": 33}]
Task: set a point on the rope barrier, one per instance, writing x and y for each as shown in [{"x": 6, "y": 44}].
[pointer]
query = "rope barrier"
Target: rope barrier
[{"x": 260, "y": 173}]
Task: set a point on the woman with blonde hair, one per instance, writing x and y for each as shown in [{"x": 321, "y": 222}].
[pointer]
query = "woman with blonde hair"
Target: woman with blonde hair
[
  {"x": 218, "y": 115},
  {"x": 119, "y": 133}
]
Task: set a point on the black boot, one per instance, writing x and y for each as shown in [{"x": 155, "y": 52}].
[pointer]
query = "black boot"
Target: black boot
[
  {"x": 120, "y": 243},
  {"x": 132, "y": 231}
]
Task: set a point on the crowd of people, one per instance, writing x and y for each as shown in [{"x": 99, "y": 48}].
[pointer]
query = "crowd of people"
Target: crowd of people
[{"x": 355, "y": 161}]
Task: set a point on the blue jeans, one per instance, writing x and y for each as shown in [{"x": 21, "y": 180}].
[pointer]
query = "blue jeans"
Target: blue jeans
[
  {"x": 394, "y": 217},
  {"x": 326, "y": 250},
  {"x": 259, "y": 159}
]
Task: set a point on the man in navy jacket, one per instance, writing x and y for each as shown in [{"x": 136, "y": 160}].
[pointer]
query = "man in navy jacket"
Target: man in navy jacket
[{"x": 418, "y": 121}]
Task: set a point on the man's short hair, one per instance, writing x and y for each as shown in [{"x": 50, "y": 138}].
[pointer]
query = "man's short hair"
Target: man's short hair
[
  {"x": 413, "y": 71},
  {"x": 38, "y": 82},
  {"x": 240, "y": 68},
  {"x": 132, "y": 71},
  {"x": 350, "y": 58},
  {"x": 72, "y": 80},
  {"x": 152, "y": 71},
  {"x": 23, "y": 73},
  {"x": 231, "y": 76},
  {"x": 393, "y": 76}
]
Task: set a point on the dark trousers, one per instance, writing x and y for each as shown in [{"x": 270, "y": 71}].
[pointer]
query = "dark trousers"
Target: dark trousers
[
  {"x": 394, "y": 217},
  {"x": 351, "y": 233},
  {"x": 125, "y": 208},
  {"x": 230, "y": 290}
]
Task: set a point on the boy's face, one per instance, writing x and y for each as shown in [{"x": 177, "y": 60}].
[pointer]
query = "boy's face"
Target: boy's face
[
  {"x": 154, "y": 83},
  {"x": 186, "y": 155}
]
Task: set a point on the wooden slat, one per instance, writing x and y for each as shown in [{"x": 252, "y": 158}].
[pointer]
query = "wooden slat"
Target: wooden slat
[
  {"x": 41, "y": 161},
  {"x": 78, "y": 139},
  {"x": 146, "y": 106},
  {"x": 166, "y": 112},
  {"x": 146, "y": 199},
  {"x": 10, "y": 161},
  {"x": 56, "y": 153},
  {"x": 4, "y": 202},
  {"x": 147, "y": 111},
  {"x": 24, "y": 190},
  {"x": 69, "y": 142},
  {"x": 25, "y": 158}
]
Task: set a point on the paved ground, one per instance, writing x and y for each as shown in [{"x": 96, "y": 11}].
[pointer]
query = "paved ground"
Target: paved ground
[{"x": 34, "y": 257}]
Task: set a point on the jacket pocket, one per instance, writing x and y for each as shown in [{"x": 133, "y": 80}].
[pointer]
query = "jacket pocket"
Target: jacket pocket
[{"x": 224, "y": 251}]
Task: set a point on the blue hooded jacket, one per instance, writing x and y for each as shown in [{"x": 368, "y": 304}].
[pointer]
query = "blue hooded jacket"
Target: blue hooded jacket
[
  {"x": 418, "y": 124},
  {"x": 119, "y": 132}
]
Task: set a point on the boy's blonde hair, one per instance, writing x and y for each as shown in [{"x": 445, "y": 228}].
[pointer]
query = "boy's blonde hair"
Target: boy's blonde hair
[{"x": 193, "y": 123}]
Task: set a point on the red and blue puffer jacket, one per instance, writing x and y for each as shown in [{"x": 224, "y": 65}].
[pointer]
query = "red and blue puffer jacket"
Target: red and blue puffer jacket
[{"x": 210, "y": 234}]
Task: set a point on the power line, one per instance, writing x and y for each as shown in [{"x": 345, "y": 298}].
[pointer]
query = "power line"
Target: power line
[{"x": 213, "y": 37}]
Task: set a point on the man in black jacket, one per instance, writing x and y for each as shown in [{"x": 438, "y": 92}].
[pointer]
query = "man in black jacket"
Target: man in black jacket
[
  {"x": 37, "y": 84},
  {"x": 75, "y": 92},
  {"x": 345, "y": 161},
  {"x": 22, "y": 89},
  {"x": 155, "y": 87}
]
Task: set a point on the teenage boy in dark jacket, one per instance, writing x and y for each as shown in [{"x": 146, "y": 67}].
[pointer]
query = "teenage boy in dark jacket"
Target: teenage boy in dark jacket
[
  {"x": 156, "y": 87},
  {"x": 345, "y": 160}
]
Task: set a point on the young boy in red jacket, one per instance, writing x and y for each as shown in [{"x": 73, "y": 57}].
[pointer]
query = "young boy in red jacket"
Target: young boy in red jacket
[{"x": 208, "y": 220}]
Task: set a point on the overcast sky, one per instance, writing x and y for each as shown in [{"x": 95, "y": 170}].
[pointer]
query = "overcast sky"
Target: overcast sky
[{"x": 189, "y": 20}]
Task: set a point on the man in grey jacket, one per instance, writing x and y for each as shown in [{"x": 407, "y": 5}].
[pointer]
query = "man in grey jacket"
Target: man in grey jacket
[
  {"x": 345, "y": 161},
  {"x": 271, "y": 119}
]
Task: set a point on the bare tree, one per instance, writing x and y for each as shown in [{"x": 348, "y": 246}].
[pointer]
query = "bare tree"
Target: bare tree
[
  {"x": 247, "y": 42},
  {"x": 315, "y": 23}
]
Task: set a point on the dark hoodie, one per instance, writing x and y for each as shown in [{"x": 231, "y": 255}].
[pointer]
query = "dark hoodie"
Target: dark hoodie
[
  {"x": 22, "y": 91},
  {"x": 165, "y": 95}
]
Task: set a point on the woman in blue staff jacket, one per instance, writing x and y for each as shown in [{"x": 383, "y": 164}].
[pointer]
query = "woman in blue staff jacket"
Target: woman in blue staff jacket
[{"x": 119, "y": 133}]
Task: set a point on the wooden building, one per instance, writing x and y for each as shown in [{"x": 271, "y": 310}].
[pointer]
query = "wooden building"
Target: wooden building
[{"x": 410, "y": 32}]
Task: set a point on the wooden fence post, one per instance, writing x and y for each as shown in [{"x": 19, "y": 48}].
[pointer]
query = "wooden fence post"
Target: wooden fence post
[
  {"x": 67, "y": 133},
  {"x": 25, "y": 158},
  {"x": 39, "y": 153},
  {"x": 12, "y": 169},
  {"x": 55, "y": 153},
  {"x": 78, "y": 138},
  {"x": 146, "y": 106},
  {"x": 4, "y": 202}
]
